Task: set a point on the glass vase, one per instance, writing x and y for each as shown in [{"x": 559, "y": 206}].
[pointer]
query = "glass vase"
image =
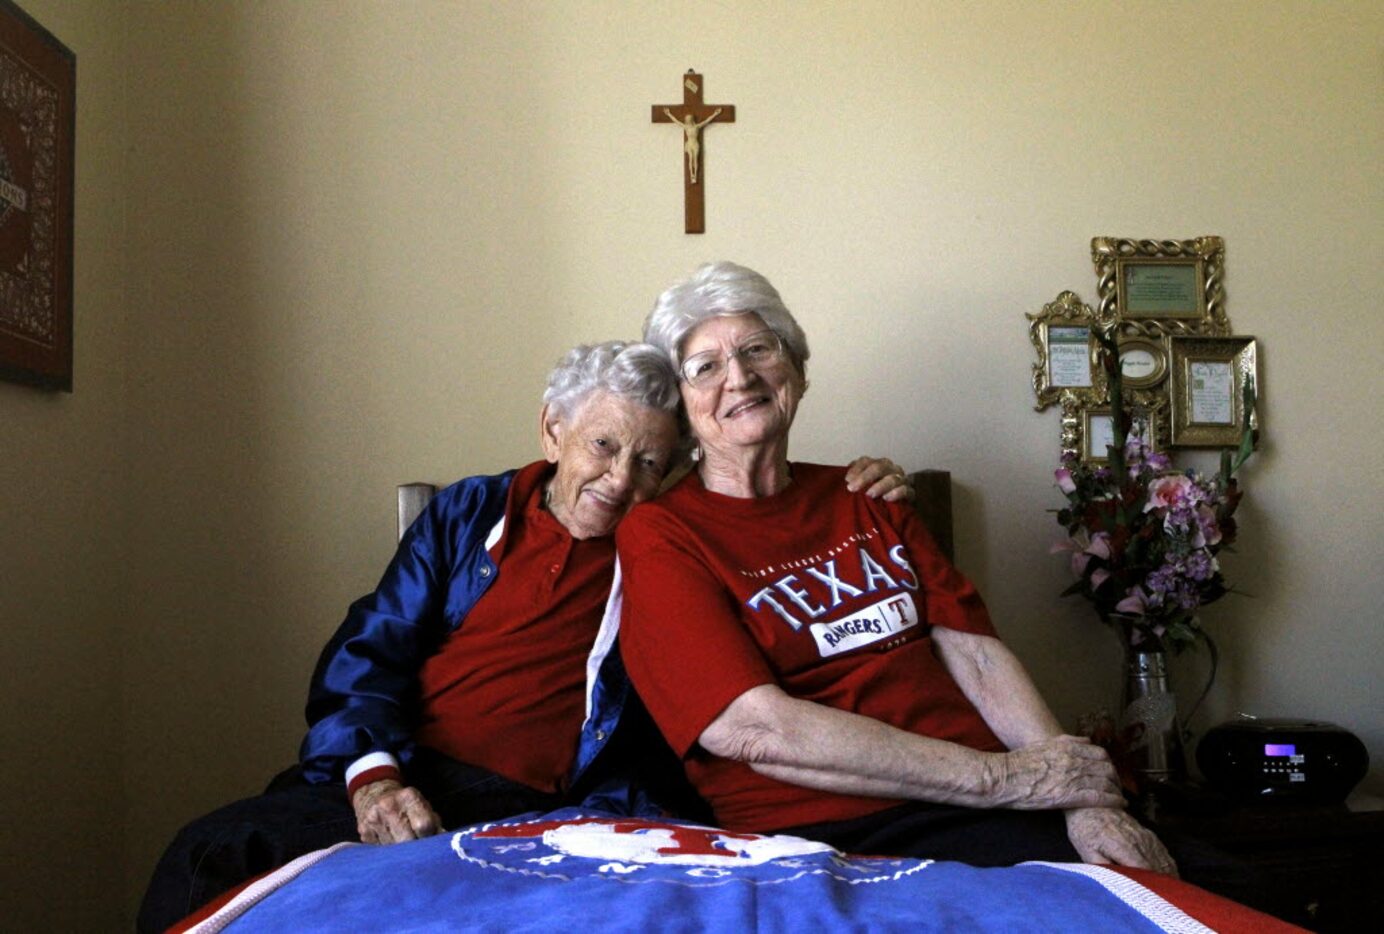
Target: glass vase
[{"x": 1150, "y": 737}]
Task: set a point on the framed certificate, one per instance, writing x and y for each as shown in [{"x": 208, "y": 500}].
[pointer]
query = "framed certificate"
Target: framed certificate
[
  {"x": 38, "y": 76},
  {"x": 1207, "y": 390},
  {"x": 1062, "y": 334},
  {"x": 1160, "y": 288},
  {"x": 1173, "y": 286}
]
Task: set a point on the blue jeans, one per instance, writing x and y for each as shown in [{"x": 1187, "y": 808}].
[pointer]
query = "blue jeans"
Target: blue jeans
[{"x": 235, "y": 843}]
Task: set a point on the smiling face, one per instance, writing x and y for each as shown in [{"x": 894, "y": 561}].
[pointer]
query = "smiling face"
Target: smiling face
[
  {"x": 752, "y": 406},
  {"x": 610, "y": 453}
]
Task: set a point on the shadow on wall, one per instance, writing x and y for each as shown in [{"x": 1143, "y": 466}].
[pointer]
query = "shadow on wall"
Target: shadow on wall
[{"x": 273, "y": 344}]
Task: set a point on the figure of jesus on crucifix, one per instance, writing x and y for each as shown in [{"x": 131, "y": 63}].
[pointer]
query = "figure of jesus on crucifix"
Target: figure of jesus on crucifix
[
  {"x": 692, "y": 116},
  {"x": 691, "y": 145}
]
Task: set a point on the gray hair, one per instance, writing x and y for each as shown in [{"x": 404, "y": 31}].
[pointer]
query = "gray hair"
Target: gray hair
[
  {"x": 721, "y": 290},
  {"x": 640, "y": 372}
]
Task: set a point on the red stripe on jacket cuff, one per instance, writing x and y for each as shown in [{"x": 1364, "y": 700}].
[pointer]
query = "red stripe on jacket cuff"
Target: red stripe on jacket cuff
[{"x": 379, "y": 773}]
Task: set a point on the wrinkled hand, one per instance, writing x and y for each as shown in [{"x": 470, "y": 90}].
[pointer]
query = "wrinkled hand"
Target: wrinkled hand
[
  {"x": 387, "y": 812},
  {"x": 1104, "y": 835},
  {"x": 1063, "y": 772},
  {"x": 879, "y": 477}
]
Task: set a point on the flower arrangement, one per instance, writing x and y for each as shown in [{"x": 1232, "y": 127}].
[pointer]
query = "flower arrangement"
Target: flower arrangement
[{"x": 1144, "y": 538}]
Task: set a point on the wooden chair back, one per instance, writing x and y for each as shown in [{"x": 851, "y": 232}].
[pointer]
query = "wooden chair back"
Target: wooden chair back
[{"x": 933, "y": 503}]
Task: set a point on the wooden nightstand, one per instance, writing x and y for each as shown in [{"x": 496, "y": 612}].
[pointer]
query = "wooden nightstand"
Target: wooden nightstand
[{"x": 1323, "y": 867}]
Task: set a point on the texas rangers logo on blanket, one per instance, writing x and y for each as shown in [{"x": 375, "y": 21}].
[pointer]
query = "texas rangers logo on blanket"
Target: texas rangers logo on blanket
[
  {"x": 598, "y": 871},
  {"x": 641, "y": 850}
]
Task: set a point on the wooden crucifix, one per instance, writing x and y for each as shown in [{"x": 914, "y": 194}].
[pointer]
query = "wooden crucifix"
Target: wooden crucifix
[{"x": 692, "y": 116}]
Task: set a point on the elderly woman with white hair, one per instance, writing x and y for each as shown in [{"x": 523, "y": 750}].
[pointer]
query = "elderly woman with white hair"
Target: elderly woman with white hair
[
  {"x": 458, "y": 690},
  {"x": 821, "y": 668}
]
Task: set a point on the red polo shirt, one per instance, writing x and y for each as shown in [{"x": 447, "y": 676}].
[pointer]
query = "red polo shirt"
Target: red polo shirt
[{"x": 507, "y": 689}]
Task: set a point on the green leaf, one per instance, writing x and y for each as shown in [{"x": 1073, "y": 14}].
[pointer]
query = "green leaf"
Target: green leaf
[{"x": 1246, "y": 439}]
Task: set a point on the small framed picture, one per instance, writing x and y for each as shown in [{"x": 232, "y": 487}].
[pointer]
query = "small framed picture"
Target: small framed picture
[
  {"x": 1088, "y": 430},
  {"x": 1143, "y": 362},
  {"x": 1207, "y": 389},
  {"x": 1063, "y": 336},
  {"x": 1175, "y": 283}
]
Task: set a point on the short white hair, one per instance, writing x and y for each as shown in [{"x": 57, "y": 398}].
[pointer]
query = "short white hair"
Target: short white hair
[
  {"x": 718, "y": 290},
  {"x": 640, "y": 372}
]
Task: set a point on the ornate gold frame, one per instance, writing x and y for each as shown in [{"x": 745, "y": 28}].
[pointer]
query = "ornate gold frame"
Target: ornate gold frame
[
  {"x": 1067, "y": 310},
  {"x": 1113, "y": 256},
  {"x": 1241, "y": 354},
  {"x": 1158, "y": 349},
  {"x": 1156, "y": 344},
  {"x": 1078, "y": 408}
]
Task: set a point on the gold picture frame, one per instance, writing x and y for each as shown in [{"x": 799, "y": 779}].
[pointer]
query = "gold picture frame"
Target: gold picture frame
[
  {"x": 1143, "y": 362},
  {"x": 1206, "y": 387},
  {"x": 1171, "y": 286},
  {"x": 1063, "y": 334},
  {"x": 1087, "y": 424}
]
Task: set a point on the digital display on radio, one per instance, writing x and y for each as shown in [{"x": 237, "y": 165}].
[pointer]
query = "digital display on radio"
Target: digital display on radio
[{"x": 1280, "y": 749}]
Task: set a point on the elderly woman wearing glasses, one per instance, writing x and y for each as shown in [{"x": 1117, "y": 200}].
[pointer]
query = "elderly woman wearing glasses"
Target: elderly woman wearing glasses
[{"x": 818, "y": 664}]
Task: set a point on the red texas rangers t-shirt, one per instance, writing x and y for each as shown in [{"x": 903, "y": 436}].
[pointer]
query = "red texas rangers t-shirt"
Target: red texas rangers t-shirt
[{"x": 827, "y": 593}]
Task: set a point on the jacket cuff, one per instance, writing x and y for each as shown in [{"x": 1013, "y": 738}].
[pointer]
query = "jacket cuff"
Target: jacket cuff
[{"x": 373, "y": 767}]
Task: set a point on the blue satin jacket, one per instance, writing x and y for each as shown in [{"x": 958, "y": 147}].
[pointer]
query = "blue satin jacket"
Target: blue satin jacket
[{"x": 364, "y": 693}]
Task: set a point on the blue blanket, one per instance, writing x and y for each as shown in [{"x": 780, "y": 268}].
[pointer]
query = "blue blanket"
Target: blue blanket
[{"x": 572, "y": 870}]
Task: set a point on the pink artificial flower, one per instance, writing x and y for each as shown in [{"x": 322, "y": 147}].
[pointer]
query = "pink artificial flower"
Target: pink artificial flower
[
  {"x": 1065, "y": 483},
  {"x": 1099, "y": 576},
  {"x": 1079, "y": 557},
  {"x": 1083, "y": 552},
  {"x": 1210, "y": 528},
  {"x": 1169, "y": 492},
  {"x": 1132, "y": 604},
  {"x": 1099, "y": 547}
]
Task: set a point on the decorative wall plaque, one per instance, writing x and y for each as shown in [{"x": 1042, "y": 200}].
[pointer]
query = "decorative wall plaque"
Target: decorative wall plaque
[{"x": 38, "y": 79}]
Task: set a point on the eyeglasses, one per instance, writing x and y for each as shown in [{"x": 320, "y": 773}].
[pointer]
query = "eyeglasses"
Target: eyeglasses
[{"x": 708, "y": 368}]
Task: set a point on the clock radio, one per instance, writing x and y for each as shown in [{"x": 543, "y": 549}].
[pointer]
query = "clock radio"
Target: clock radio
[{"x": 1293, "y": 760}]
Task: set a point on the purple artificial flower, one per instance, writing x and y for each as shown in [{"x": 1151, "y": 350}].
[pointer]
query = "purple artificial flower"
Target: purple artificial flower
[
  {"x": 1161, "y": 581},
  {"x": 1210, "y": 528},
  {"x": 1200, "y": 566},
  {"x": 1134, "y": 452},
  {"x": 1157, "y": 462}
]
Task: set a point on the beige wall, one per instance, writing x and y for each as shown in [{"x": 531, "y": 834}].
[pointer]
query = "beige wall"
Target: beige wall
[
  {"x": 360, "y": 233},
  {"x": 64, "y": 494}
]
